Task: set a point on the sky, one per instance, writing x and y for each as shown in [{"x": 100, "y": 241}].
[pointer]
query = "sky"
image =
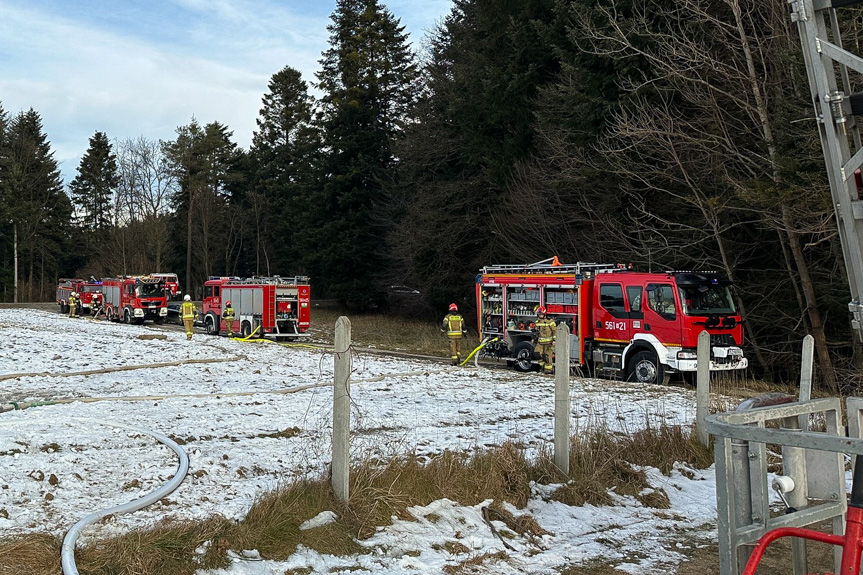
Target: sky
[
  {"x": 62, "y": 462},
  {"x": 144, "y": 67}
]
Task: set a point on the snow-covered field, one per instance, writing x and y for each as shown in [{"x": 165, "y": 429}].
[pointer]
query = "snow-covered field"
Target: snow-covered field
[{"x": 262, "y": 418}]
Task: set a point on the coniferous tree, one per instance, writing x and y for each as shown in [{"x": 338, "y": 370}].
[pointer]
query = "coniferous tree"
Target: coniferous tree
[
  {"x": 204, "y": 161},
  {"x": 368, "y": 80},
  {"x": 94, "y": 187},
  {"x": 281, "y": 161},
  {"x": 487, "y": 62},
  {"x": 39, "y": 210}
]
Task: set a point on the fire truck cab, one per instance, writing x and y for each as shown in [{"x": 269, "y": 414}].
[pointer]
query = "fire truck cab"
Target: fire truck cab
[
  {"x": 86, "y": 290},
  {"x": 172, "y": 285},
  {"x": 632, "y": 325},
  {"x": 271, "y": 307},
  {"x": 135, "y": 299}
]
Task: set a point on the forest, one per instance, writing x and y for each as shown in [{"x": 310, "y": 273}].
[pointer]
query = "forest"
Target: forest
[{"x": 669, "y": 134}]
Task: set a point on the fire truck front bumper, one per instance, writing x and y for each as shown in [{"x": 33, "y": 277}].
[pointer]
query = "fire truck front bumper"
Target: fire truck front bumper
[{"x": 721, "y": 359}]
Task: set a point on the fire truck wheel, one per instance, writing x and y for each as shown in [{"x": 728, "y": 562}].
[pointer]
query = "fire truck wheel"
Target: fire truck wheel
[
  {"x": 64, "y": 308},
  {"x": 246, "y": 330},
  {"x": 127, "y": 316},
  {"x": 645, "y": 368},
  {"x": 212, "y": 326},
  {"x": 523, "y": 353}
]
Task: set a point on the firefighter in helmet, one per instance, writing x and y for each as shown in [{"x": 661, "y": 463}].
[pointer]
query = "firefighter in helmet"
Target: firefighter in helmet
[
  {"x": 188, "y": 311},
  {"x": 96, "y": 305},
  {"x": 229, "y": 318},
  {"x": 546, "y": 329},
  {"x": 453, "y": 325},
  {"x": 73, "y": 304}
]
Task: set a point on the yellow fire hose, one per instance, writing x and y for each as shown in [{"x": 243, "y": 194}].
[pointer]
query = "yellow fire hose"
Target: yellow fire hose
[{"x": 481, "y": 345}]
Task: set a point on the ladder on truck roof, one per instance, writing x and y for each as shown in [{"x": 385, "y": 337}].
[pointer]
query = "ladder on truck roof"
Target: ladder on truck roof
[
  {"x": 274, "y": 280},
  {"x": 548, "y": 266}
]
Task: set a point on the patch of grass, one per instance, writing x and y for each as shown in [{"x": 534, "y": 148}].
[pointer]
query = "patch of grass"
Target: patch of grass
[
  {"x": 388, "y": 332},
  {"x": 467, "y": 565},
  {"x": 30, "y": 554}
]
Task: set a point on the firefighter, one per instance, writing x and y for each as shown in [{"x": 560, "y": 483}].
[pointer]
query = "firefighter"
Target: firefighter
[
  {"x": 229, "y": 319},
  {"x": 546, "y": 329},
  {"x": 96, "y": 305},
  {"x": 188, "y": 312},
  {"x": 453, "y": 325},
  {"x": 73, "y": 304}
]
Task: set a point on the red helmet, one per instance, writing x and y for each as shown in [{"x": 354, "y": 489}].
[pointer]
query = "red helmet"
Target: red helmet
[
  {"x": 453, "y": 307},
  {"x": 540, "y": 310},
  {"x": 227, "y": 304}
]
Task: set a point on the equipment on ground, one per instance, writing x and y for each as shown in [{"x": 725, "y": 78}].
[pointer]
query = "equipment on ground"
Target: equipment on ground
[
  {"x": 135, "y": 299},
  {"x": 633, "y": 325},
  {"x": 274, "y": 307}
]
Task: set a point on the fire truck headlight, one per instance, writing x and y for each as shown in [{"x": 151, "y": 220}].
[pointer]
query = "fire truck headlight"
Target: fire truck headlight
[
  {"x": 163, "y": 311},
  {"x": 139, "y": 312},
  {"x": 720, "y": 352},
  {"x": 687, "y": 354}
]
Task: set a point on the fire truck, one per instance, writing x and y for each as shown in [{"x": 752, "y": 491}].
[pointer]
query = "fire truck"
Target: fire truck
[
  {"x": 85, "y": 290},
  {"x": 632, "y": 325},
  {"x": 135, "y": 299},
  {"x": 272, "y": 307},
  {"x": 65, "y": 287},
  {"x": 172, "y": 284}
]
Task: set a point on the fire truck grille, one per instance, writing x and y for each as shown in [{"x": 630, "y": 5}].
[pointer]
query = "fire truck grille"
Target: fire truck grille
[{"x": 722, "y": 340}]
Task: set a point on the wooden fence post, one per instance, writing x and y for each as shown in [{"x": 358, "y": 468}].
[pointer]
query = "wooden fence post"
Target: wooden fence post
[
  {"x": 342, "y": 409},
  {"x": 702, "y": 390},
  {"x": 561, "y": 398}
]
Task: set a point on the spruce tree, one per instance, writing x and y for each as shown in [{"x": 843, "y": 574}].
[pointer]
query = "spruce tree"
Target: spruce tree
[
  {"x": 38, "y": 208},
  {"x": 94, "y": 187},
  {"x": 281, "y": 162},
  {"x": 368, "y": 80}
]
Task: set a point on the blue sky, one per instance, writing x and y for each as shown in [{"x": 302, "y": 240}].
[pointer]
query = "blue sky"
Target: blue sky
[{"x": 134, "y": 68}]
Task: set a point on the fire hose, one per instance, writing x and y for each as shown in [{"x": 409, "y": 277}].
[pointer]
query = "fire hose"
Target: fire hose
[
  {"x": 67, "y": 553},
  {"x": 475, "y": 353}
]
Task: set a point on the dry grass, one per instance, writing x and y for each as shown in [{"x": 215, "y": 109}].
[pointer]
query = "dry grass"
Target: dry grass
[
  {"x": 30, "y": 555},
  {"x": 387, "y": 332}
]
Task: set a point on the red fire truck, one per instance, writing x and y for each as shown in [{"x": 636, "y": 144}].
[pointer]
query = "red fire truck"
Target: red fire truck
[
  {"x": 273, "y": 307},
  {"x": 635, "y": 325},
  {"x": 65, "y": 287},
  {"x": 85, "y": 290},
  {"x": 172, "y": 284},
  {"x": 135, "y": 299}
]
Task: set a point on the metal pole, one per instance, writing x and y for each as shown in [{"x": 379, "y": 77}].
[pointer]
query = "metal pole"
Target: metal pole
[
  {"x": 702, "y": 390},
  {"x": 794, "y": 466},
  {"x": 741, "y": 485},
  {"x": 342, "y": 409},
  {"x": 561, "y": 398}
]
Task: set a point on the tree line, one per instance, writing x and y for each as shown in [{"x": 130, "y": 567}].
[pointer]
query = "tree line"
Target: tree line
[{"x": 670, "y": 134}]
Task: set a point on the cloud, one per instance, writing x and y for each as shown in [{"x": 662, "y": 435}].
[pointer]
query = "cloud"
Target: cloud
[{"x": 143, "y": 68}]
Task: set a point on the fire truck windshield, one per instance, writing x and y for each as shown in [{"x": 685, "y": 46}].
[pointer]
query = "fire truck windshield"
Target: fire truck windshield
[
  {"x": 149, "y": 290},
  {"x": 706, "y": 299},
  {"x": 91, "y": 289}
]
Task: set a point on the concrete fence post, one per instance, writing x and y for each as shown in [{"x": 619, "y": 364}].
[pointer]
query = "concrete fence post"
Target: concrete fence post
[
  {"x": 342, "y": 409},
  {"x": 561, "y": 398},
  {"x": 702, "y": 389}
]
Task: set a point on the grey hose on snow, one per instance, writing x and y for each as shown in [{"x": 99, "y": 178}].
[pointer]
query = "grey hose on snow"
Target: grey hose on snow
[{"x": 67, "y": 555}]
